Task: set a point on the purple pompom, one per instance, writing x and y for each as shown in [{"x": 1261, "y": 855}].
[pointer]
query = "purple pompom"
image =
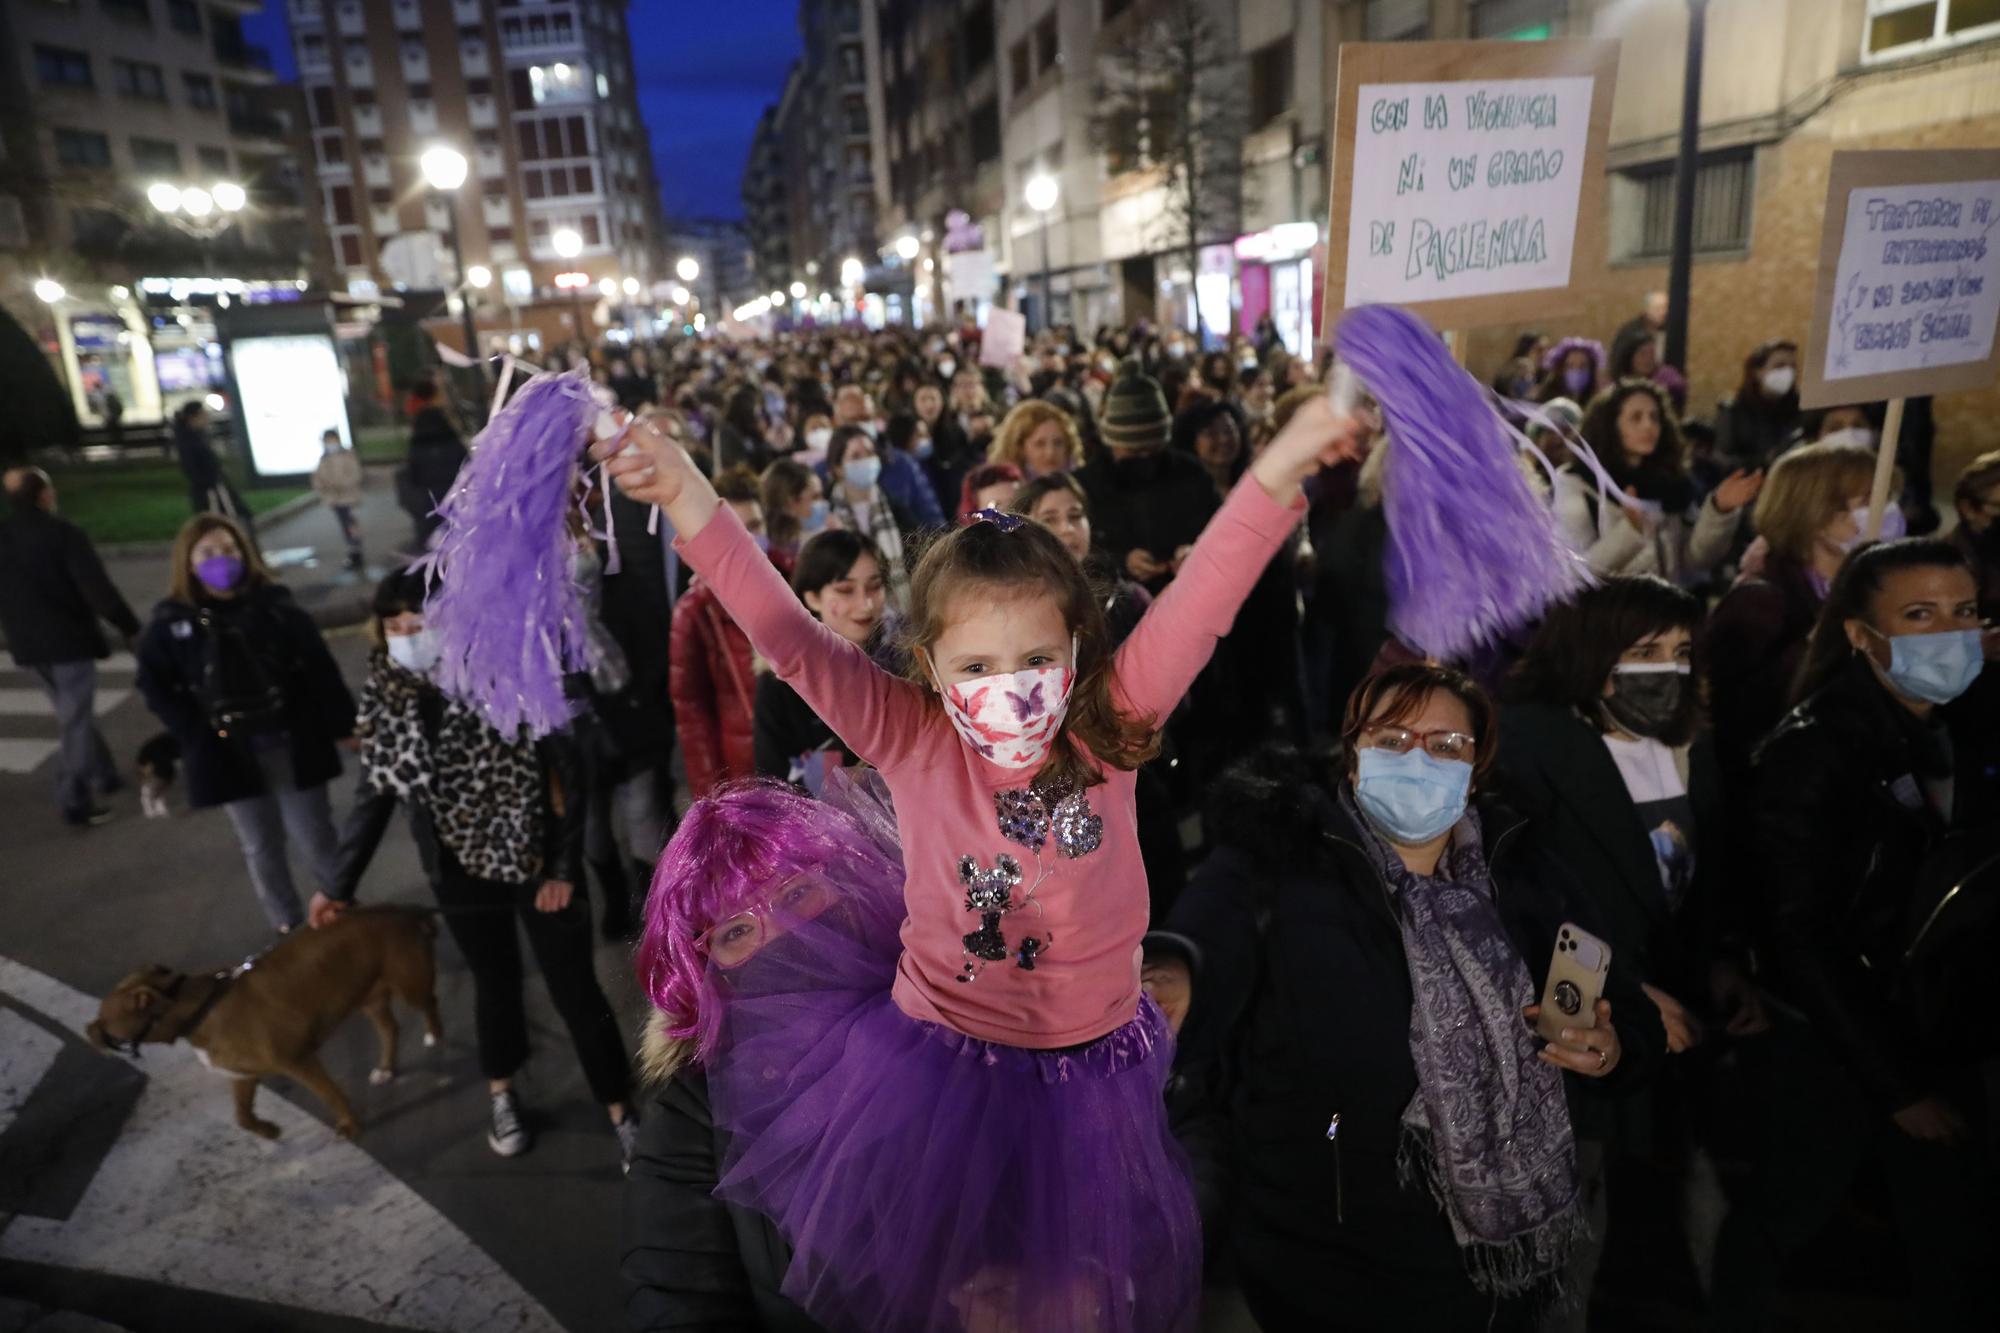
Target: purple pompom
[
  {"x": 1473, "y": 553},
  {"x": 507, "y": 611}
]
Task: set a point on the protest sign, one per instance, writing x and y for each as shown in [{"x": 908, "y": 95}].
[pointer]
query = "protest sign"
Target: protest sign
[
  {"x": 1005, "y": 338},
  {"x": 1468, "y": 177},
  {"x": 1909, "y": 277}
]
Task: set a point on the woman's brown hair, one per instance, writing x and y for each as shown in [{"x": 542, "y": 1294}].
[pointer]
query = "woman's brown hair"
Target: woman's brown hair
[
  {"x": 783, "y": 483},
  {"x": 183, "y": 586},
  {"x": 1806, "y": 488},
  {"x": 1024, "y": 420},
  {"x": 1397, "y": 693},
  {"x": 982, "y": 555},
  {"x": 1600, "y": 432}
]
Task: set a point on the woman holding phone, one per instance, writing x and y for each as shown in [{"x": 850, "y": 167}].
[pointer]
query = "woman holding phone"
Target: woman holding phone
[{"x": 1340, "y": 932}]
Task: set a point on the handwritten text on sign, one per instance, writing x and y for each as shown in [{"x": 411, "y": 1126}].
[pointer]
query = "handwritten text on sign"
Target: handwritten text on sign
[
  {"x": 1467, "y": 188},
  {"x": 1919, "y": 278}
]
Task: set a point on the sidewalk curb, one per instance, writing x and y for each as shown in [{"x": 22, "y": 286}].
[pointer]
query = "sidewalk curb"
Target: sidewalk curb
[{"x": 161, "y": 550}]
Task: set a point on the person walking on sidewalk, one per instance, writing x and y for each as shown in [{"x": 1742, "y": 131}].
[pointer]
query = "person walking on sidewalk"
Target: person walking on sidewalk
[
  {"x": 209, "y": 488},
  {"x": 53, "y": 592},
  {"x": 239, "y": 674},
  {"x": 436, "y": 454},
  {"x": 337, "y": 483}
]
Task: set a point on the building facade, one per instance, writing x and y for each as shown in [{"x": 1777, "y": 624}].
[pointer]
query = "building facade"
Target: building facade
[
  {"x": 541, "y": 100},
  {"x": 103, "y": 100}
]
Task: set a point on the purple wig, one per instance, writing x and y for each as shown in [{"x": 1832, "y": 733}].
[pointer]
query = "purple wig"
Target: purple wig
[
  {"x": 1473, "y": 553},
  {"x": 507, "y": 610},
  {"x": 731, "y": 850}
]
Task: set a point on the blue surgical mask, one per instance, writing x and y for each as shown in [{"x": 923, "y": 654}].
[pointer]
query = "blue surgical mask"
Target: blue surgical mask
[
  {"x": 923, "y": 448},
  {"x": 761, "y": 540},
  {"x": 1411, "y": 798},
  {"x": 1936, "y": 668},
  {"x": 861, "y": 474},
  {"x": 416, "y": 653},
  {"x": 816, "y": 520}
]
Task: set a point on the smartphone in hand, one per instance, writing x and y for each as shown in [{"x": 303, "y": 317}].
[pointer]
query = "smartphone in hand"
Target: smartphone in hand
[{"x": 1575, "y": 983}]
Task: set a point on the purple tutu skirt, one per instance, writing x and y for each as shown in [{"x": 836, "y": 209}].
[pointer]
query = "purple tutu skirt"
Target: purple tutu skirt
[{"x": 927, "y": 1180}]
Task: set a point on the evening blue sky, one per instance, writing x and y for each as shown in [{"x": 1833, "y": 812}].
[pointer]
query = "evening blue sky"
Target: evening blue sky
[{"x": 706, "y": 69}]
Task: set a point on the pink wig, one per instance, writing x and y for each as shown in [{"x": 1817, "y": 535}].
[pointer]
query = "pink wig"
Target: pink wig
[{"x": 731, "y": 849}]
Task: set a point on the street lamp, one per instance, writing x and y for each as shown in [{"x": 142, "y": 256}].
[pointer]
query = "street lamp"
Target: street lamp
[
  {"x": 687, "y": 269},
  {"x": 1680, "y": 264},
  {"x": 777, "y": 298},
  {"x": 1040, "y": 192},
  {"x": 479, "y": 276},
  {"x": 907, "y": 246},
  {"x": 630, "y": 286},
  {"x": 49, "y": 291},
  {"x": 444, "y": 169},
  {"x": 568, "y": 244},
  {"x": 202, "y": 214},
  {"x": 798, "y": 290},
  {"x": 851, "y": 272}
]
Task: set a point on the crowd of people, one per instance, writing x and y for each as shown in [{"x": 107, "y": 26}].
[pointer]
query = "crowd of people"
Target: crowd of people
[{"x": 1255, "y": 976}]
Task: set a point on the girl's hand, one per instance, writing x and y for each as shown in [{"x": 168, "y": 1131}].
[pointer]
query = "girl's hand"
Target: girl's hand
[
  {"x": 1683, "y": 1028},
  {"x": 1591, "y": 1052},
  {"x": 1168, "y": 983},
  {"x": 1315, "y": 437},
  {"x": 650, "y": 465},
  {"x": 1739, "y": 488},
  {"x": 554, "y": 895}
]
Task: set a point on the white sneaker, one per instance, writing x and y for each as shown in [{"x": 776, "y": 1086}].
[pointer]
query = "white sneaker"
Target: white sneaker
[{"x": 508, "y": 1136}]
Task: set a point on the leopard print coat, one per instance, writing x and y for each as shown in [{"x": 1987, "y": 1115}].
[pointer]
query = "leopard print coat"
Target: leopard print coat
[{"x": 483, "y": 792}]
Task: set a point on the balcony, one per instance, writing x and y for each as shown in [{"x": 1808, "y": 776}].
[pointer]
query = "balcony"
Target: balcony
[
  {"x": 481, "y": 113},
  {"x": 352, "y": 21},
  {"x": 496, "y": 212},
  {"x": 423, "y": 118},
  {"x": 491, "y": 164},
  {"x": 368, "y": 121},
  {"x": 472, "y": 61},
  {"x": 259, "y": 125},
  {"x": 466, "y": 13},
  {"x": 245, "y": 63}
]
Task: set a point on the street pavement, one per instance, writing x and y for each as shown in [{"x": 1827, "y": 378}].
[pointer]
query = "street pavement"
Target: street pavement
[{"x": 126, "y": 1190}]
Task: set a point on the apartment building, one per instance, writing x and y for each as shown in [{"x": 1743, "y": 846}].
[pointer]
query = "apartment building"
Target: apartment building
[
  {"x": 103, "y": 100},
  {"x": 540, "y": 98}
]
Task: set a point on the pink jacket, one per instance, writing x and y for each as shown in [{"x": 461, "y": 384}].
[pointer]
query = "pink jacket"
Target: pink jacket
[{"x": 1093, "y": 908}]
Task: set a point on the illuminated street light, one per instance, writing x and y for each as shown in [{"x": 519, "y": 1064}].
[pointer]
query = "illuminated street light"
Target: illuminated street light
[
  {"x": 229, "y": 196},
  {"x": 630, "y": 286},
  {"x": 907, "y": 246},
  {"x": 777, "y": 298},
  {"x": 196, "y": 202},
  {"x": 608, "y": 286},
  {"x": 1040, "y": 192},
  {"x": 798, "y": 290},
  {"x": 479, "y": 275},
  {"x": 851, "y": 272},
  {"x": 567, "y": 243},
  {"x": 687, "y": 268},
  {"x": 49, "y": 290},
  {"x": 444, "y": 167},
  {"x": 163, "y": 197},
  {"x": 679, "y": 294}
]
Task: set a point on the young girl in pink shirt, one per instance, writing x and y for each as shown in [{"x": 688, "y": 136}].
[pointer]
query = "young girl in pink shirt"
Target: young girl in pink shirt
[{"x": 960, "y": 1124}]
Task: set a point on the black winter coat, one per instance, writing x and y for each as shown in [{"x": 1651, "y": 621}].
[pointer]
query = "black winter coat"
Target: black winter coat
[
  {"x": 1751, "y": 648},
  {"x": 690, "y": 1261},
  {"x": 436, "y": 454},
  {"x": 1158, "y": 504},
  {"x": 173, "y": 657},
  {"x": 1841, "y": 826},
  {"x": 197, "y": 459},
  {"x": 53, "y": 592},
  {"x": 1301, "y": 1012}
]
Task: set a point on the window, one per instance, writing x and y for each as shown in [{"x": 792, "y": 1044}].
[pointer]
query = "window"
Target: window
[
  {"x": 1048, "y": 50},
  {"x": 134, "y": 11},
  {"x": 81, "y": 148},
  {"x": 134, "y": 78},
  {"x": 1270, "y": 82},
  {"x": 340, "y": 204},
  {"x": 350, "y": 250},
  {"x": 332, "y": 150},
  {"x": 200, "y": 90},
  {"x": 1722, "y": 196},
  {"x": 1524, "y": 19},
  {"x": 60, "y": 67},
  {"x": 1898, "y": 28},
  {"x": 185, "y": 16},
  {"x": 325, "y": 110},
  {"x": 1108, "y": 10},
  {"x": 214, "y": 160},
  {"x": 850, "y": 63},
  {"x": 1018, "y": 75},
  {"x": 985, "y": 128},
  {"x": 479, "y": 87},
  {"x": 156, "y": 157},
  {"x": 592, "y": 229},
  {"x": 355, "y": 51},
  {"x": 381, "y": 197},
  {"x": 1396, "y": 20},
  {"x": 978, "y": 36}
]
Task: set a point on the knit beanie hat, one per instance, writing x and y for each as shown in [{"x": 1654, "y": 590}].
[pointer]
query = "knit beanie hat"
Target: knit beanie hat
[{"x": 1134, "y": 415}]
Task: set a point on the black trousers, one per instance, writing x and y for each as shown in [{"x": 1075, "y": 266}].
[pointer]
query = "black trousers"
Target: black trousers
[
  {"x": 563, "y": 943},
  {"x": 1814, "y": 1131}
]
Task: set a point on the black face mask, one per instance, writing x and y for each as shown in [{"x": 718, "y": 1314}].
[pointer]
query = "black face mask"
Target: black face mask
[{"x": 1650, "y": 703}]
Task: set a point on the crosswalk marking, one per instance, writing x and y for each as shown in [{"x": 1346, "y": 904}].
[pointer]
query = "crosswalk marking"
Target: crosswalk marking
[
  {"x": 26, "y": 1052},
  {"x": 34, "y": 703},
  {"x": 25, "y": 756},
  {"x": 119, "y": 662}
]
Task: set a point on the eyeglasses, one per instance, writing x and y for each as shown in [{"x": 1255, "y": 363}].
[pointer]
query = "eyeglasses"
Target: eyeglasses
[
  {"x": 1437, "y": 744},
  {"x": 735, "y": 940}
]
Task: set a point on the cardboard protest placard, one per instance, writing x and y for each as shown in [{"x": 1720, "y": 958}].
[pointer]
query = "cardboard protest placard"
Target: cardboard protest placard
[
  {"x": 1005, "y": 339},
  {"x": 1909, "y": 277},
  {"x": 1468, "y": 177}
]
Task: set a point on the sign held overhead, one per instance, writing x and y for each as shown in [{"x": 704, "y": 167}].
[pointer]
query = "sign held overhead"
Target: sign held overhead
[{"x": 1468, "y": 177}]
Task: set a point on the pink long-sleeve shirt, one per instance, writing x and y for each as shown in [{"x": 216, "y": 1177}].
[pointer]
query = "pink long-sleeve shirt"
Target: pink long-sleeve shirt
[{"x": 1093, "y": 908}]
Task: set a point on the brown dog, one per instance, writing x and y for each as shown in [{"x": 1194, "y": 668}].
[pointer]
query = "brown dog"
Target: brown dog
[{"x": 270, "y": 1017}]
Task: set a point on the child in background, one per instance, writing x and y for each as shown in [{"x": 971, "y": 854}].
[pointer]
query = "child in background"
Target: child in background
[
  {"x": 337, "y": 483},
  {"x": 986, "y": 1086}
]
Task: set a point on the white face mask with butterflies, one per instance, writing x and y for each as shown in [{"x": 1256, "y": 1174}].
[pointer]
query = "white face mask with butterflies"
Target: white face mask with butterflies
[{"x": 1011, "y": 720}]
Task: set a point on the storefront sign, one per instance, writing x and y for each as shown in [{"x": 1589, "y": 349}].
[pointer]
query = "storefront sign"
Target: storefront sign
[
  {"x": 1287, "y": 240},
  {"x": 289, "y": 388},
  {"x": 1468, "y": 176},
  {"x": 1909, "y": 277}
]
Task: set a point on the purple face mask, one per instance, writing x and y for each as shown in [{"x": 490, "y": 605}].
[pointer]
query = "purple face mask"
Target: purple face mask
[
  {"x": 1577, "y": 380},
  {"x": 219, "y": 573}
]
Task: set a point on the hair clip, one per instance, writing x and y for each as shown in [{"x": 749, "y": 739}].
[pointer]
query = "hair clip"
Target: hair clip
[{"x": 1000, "y": 519}]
